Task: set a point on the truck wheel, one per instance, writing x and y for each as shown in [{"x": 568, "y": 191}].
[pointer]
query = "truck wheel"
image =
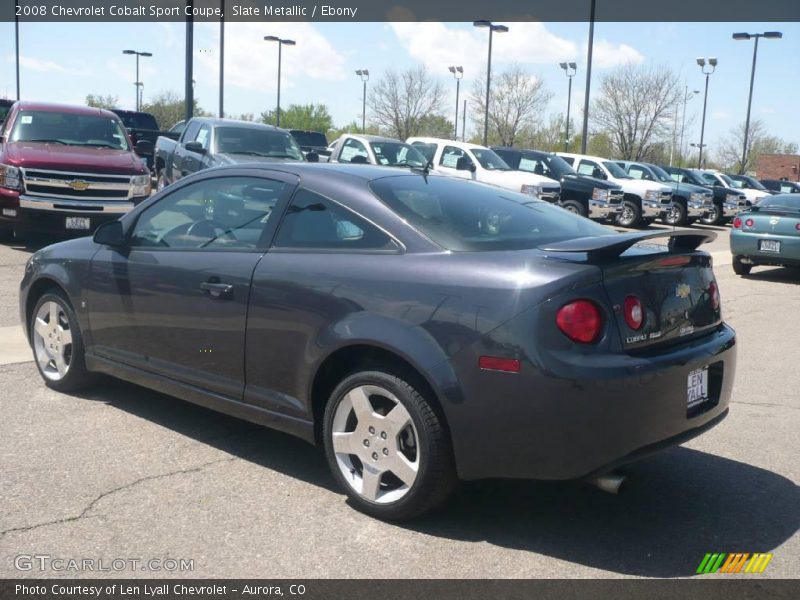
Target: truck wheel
[
  {"x": 739, "y": 267},
  {"x": 574, "y": 206},
  {"x": 676, "y": 214},
  {"x": 713, "y": 216},
  {"x": 630, "y": 215}
]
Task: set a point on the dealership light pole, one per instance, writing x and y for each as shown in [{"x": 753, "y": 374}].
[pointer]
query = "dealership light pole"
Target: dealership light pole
[
  {"x": 137, "y": 83},
  {"x": 589, "y": 55},
  {"x": 686, "y": 97},
  {"x": 570, "y": 68},
  {"x": 16, "y": 40},
  {"x": 188, "y": 111},
  {"x": 771, "y": 35},
  {"x": 458, "y": 73},
  {"x": 364, "y": 75},
  {"x": 222, "y": 59},
  {"x": 281, "y": 44},
  {"x": 712, "y": 65},
  {"x": 492, "y": 29}
]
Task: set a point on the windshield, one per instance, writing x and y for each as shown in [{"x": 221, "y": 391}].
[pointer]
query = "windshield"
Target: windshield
[
  {"x": 140, "y": 120},
  {"x": 690, "y": 177},
  {"x": 780, "y": 203},
  {"x": 465, "y": 216},
  {"x": 490, "y": 160},
  {"x": 397, "y": 154},
  {"x": 615, "y": 170},
  {"x": 728, "y": 180},
  {"x": 661, "y": 174},
  {"x": 254, "y": 141},
  {"x": 310, "y": 138},
  {"x": 749, "y": 182},
  {"x": 69, "y": 129}
]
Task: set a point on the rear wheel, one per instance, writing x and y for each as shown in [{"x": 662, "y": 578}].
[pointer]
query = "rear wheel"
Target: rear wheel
[
  {"x": 574, "y": 206},
  {"x": 676, "y": 214},
  {"x": 630, "y": 215},
  {"x": 387, "y": 447},
  {"x": 739, "y": 267},
  {"x": 713, "y": 216}
]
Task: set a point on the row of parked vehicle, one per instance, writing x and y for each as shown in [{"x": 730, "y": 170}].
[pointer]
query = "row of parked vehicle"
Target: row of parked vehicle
[{"x": 70, "y": 168}]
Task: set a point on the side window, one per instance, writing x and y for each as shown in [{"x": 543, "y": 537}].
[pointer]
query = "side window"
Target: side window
[
  {"x": 710, "y": 179},
  {"x": 204, "y": 136},
  {"x": 450, "y": 156},
  {"x": 353, "y": 151},
  {"x": 213, "y": 214},
  {"x": 427, "y": 150},
  {"x": 569, "y": 160},
  {"x": 191, "y": 131},
  {"x": 534, "y": 165},
  {"x": 587, "y": 167},
  {"x": 638, "y": 172},
  {"x": 313, "y": 221}
]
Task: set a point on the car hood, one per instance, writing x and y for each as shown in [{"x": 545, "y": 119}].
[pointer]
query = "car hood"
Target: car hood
[
  {"x": 593, "y": 181},
  {"x": 57, "y": 157},
  {"x": 514, "y": 180},
  {"x": 236, "y": 159},
  {"x": 751, "y": 194}
]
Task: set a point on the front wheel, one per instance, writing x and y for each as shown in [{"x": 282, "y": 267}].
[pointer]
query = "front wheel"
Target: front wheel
[
  {"x": 387, "y": 447},
  {"x": 739, "y": 267},
  {"x": 713, "y": 216},
  {"x": 575, "y": 207},
  {"x": 675, "y": 215},
  {"x": 630, "y": 215}
]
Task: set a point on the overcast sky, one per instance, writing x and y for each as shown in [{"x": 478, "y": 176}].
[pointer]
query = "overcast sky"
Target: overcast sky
[{"x": 65, "y": 62}]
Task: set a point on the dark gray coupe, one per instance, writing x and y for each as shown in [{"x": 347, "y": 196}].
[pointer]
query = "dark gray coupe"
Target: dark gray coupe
[{"x": 422, "y": 328}]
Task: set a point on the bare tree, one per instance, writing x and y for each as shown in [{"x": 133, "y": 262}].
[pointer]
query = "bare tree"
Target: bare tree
[
  {"x": 729, "y": 154},
  {"x": 400, "y": 102},
  {"x": 517, "y": 102},
  {"x": 636, "y": 106}
]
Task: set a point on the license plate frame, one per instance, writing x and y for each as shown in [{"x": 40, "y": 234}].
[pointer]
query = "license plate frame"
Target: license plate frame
[
  {"x": 78, "y": 223},
  {"x": 697, "y": 388},
  {"x": 773, "y": 246}
]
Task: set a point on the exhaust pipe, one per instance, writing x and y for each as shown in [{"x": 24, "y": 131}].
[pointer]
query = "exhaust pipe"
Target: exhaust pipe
[{"x": 609, "y": 482}]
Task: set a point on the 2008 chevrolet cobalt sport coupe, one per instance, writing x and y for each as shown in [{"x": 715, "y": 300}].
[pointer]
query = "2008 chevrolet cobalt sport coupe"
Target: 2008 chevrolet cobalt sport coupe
[{"x": 423, "y": 329}]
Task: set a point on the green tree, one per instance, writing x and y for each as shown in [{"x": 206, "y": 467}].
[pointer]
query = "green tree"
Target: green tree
[
  {"x": 435, "y": 126},
  {"x": 311, "y": 117},
  {"x": 100, "y": 101},
  {"x": 168, "y": 108}
]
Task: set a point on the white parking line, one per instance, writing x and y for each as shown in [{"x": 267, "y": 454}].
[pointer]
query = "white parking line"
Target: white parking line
[{"x": 14, "y": 347}]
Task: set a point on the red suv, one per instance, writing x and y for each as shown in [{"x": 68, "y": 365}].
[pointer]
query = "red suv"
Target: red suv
[{"x": 66, "y": 169}]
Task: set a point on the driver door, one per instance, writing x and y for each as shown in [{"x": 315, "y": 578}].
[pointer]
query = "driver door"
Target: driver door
[{"x": 177, "y": 295}]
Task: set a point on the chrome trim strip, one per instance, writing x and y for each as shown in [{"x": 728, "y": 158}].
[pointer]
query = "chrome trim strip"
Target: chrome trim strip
[{"x": 82, "y": 206}]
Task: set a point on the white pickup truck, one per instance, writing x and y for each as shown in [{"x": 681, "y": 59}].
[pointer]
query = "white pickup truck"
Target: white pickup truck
[
  {"x": 642, "y": 202},
  {"x": 471, "y": 161}
]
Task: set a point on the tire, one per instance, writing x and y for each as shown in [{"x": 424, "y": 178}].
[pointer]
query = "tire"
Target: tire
[
  {"x": 413, "y": 443},
  {"x": 49, "y": 341},
  {"x": 676, "y": 215},
  {"x": 575, "y": 207},
  {"x": 630, "y": 215},
  {"x": 739, "y": 267},
  {"x": 713, "y": 217},
  {"x": 6, "y": 234}
]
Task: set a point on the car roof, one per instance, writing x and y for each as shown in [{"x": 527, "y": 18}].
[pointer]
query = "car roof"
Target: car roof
[
  {"x": 588, "y": 156},
  {"x": 364, "y": 172},
  {"x": 65, "y": 108},
  {"x": 371, "y": 138},
  {"x": 216, "y": 121},
  {"x": 456, "y": 143}
]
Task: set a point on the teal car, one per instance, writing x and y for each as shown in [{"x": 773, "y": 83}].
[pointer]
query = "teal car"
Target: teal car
[{"x": 767, "y": 234}]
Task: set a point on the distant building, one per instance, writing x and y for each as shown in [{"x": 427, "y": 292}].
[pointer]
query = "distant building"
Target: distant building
[{"x": 778, "y": 166}]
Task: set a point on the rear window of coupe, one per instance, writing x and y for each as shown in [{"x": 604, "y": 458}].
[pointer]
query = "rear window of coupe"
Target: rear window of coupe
[{"x": 465, "y": 216}]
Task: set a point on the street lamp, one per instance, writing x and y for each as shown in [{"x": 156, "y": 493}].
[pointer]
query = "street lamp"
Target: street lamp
[
  {"x": 458, "y": 73},
  {"x": 686, "y": 97},
  {"x": 570, "y": 68},
  {"x": 364, "y": 75},
  {"x": 281, "y": 44},
  {"x": 137, "y": 84},
  {"x": 492, "y": 29},
  {"x": 712, "y": 65},
  {"x": 772, "y": 35}
]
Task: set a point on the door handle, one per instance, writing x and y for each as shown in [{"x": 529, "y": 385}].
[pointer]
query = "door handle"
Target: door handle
[{"x": 217, "y": 289}]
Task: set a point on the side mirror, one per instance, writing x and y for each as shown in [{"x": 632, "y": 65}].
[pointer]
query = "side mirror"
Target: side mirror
[
  {"x": 599, "y": 174},
  {"x": 465, "y": 164},
  {"x": 312, "y": 156},
  {"x": 195, "y": 146},
  {"x": 144, "y": 147},
  {"x": 110, "y": 234}
]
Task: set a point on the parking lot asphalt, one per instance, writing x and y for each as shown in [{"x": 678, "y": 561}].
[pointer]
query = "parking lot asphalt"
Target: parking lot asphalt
[{"x": 125, "y": 473}]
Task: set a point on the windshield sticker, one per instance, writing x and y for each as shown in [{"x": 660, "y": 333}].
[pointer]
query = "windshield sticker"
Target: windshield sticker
[{"x": 26, "y": 119}]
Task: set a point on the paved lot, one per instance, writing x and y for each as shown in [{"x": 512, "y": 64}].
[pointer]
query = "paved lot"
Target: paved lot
[{"x": 127, "y": 473}]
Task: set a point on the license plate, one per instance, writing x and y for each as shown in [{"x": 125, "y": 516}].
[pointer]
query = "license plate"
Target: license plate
[
  {"x": 78, "y": 223},
  {"x": 697, "y": 387},
  {"x": 769, "y": 245}
]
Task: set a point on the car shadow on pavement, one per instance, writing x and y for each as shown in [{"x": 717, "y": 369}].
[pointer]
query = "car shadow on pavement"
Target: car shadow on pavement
[
  {"x": 776, "y": 275},
  {"x": 674, "y": 508}
]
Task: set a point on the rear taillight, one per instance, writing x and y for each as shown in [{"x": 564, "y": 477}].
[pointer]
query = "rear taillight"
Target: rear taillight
[
  {"x": 713, "y": 293},
  {"x": 581, "y": 321},
  {"x": 634, "y": 313},
  {"x": 749, "y": 223},
  {"x": 797, "y": 227},
  {"x": 737, "y": 223}
]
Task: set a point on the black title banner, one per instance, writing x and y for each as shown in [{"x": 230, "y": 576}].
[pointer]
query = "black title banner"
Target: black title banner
[{"x": 400, "y": 10}]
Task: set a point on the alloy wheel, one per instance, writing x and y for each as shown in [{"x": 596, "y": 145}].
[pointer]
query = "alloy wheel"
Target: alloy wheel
[
  {"x": 376, "y": 444},
  {"x": 52, "y": 341},
  {"x": 627, "y": 216}
]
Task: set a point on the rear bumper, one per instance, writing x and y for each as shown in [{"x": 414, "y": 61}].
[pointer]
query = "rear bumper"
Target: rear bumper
[
  {"x": 744, "y": 243},
  {"x": 581, "y": 416}
]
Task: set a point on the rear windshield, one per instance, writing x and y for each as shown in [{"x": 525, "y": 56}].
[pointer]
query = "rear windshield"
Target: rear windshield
[
  {"x": 310, "y": 138},
  {"x": 781, "y": 202},
  {"x": 138, "y": 120},
  {"x": 251, "y": 141},
  {"x": 69, "y": 129},
  {"x": 465, "y": 216}
]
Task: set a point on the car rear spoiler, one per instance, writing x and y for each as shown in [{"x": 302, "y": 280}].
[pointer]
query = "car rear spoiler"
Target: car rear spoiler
[{"x": 607, "y": 247}]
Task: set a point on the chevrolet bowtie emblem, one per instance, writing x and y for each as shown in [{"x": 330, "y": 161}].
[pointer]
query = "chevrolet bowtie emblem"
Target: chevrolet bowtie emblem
[
  {"x": 78, "y": 185},
  {"x": 683, "y": 290}
]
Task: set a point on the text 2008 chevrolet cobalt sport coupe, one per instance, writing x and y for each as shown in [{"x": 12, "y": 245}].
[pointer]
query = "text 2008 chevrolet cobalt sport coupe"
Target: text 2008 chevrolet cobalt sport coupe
[{"x": 423, "y": 329}]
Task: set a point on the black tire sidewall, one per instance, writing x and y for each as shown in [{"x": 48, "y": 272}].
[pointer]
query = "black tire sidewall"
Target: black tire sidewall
[{"x": 579, "y": 208}]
